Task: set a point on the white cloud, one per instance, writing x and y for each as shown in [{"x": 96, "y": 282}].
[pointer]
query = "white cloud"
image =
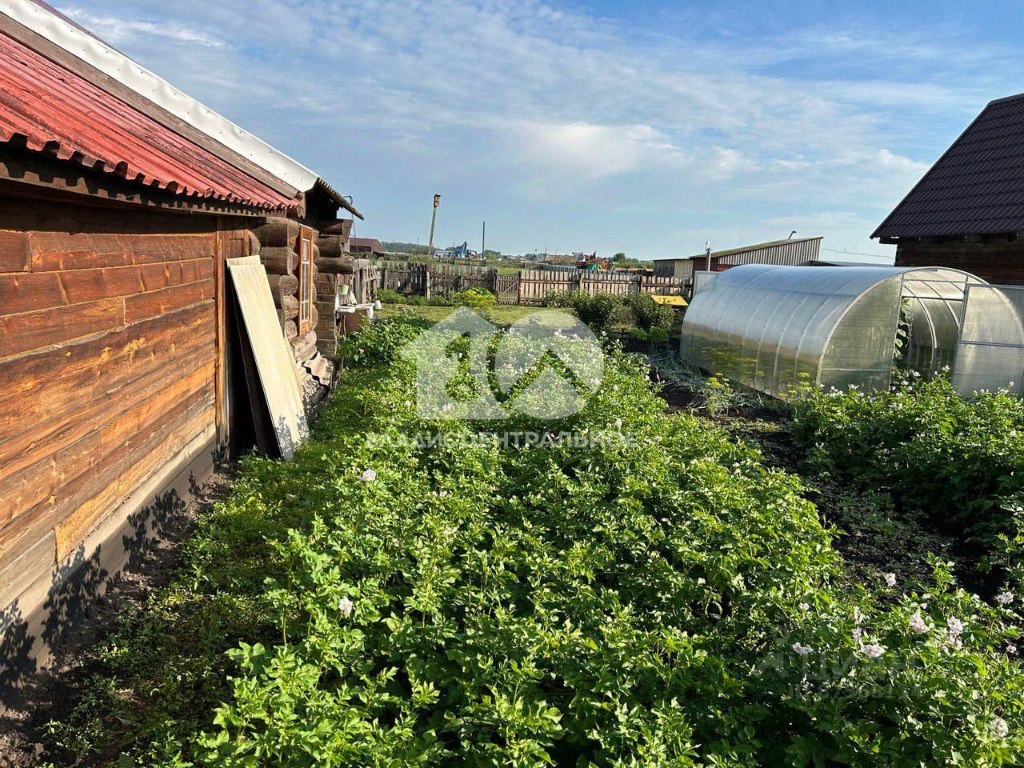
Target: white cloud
[
  {"x": 539, "y": 111},
  {"x": 116, "y": 30},
  {"x": 584, "y": 151}
]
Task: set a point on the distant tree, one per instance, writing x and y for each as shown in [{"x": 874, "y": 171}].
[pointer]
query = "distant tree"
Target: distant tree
[
  {"x": 620, "y": 256},
  {"x": 396, "y": 246}
]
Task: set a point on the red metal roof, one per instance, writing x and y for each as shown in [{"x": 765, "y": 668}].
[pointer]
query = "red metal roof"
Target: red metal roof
[{"x": 55, "y": 110}]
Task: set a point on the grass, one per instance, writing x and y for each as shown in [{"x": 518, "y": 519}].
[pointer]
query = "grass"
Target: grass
[{"x": 501, "y": 315}]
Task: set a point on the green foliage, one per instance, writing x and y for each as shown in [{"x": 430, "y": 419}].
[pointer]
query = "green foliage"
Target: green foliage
[
  {"x": 649, "y": 596},
  {"x": 645, "y": 319},
  {"x": 957, "y": 460},
  {"x": 648, "y": 315},
  {"x": 379, "y": 344},
  {"x": 597, "y": 310},
  {"x": 474, "y": 298},
  {"x": 718, "y": 396}
]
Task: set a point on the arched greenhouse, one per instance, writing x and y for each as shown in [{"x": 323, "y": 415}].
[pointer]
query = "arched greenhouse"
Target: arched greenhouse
[
  {"x": 991, "y": 350},
  {"x": 771, "y": 327}
]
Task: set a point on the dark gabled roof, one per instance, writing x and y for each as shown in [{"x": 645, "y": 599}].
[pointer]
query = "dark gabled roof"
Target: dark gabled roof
[{"x": 976, "y": 187}]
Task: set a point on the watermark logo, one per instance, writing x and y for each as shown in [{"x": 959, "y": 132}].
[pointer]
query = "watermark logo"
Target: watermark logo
[{"x": 546, "y": 366}]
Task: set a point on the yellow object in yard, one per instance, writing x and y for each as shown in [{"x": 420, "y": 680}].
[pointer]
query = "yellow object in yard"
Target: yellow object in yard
[{"x": 672, "y": 301}]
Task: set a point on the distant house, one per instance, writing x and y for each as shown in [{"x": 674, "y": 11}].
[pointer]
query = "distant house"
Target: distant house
[
  {"x": 792, "y": 252},
  {"x": 968, "y": 210},
  {"x": 365, "y": 246}
]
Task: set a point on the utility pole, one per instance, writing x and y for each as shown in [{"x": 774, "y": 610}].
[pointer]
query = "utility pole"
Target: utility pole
[
  {"x": 483, "y": 242},
  {"x": 433, "y": 221},
  {"x": 707, "y": 251}
]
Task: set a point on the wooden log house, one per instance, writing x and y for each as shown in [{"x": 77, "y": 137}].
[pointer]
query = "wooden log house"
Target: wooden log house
[{"x": 120, "y": 385}]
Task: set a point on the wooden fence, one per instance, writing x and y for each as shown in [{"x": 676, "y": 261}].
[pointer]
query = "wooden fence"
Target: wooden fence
[{"x": 530, "y": 286}]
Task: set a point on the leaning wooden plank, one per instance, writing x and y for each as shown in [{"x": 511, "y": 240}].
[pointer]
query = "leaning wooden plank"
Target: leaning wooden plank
[{"x": 272, "y": 354}]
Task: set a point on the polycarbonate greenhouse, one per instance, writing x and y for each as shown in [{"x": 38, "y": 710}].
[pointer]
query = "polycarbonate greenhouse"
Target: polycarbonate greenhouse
[
  {"x": 771, "y": 327},
  {"x": 990, "y": 354}
]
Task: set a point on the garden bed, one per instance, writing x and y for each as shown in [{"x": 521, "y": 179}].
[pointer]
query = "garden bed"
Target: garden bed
[{"x": 656, "y": 594}]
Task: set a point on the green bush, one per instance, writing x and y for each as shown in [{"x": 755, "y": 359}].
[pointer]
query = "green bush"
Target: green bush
[
  {"x": 389, "y": 296},
  {"x": 474, "y": 298},
  {"x": 958, "y": 460},
  {"x": 650, "y": 316},
  {"x": 598, "y": 310}
]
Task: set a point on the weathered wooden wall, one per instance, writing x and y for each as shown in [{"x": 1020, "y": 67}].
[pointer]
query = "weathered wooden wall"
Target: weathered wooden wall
[
  {"x": 111, "y": 360},
  {"x": 999, "y": 260}
]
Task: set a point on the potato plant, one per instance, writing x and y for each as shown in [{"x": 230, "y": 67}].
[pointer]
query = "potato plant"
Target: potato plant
[
  {"x": 958, "y": 460},
  {"x": 651, "y": 597},
  {"x": 640, "y": 592}
]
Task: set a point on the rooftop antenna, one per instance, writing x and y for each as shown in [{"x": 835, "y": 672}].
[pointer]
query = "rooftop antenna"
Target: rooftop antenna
[{"x": 707, "y": 252}]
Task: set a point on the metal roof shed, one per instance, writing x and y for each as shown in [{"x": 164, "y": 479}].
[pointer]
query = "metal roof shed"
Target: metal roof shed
[{"x": 772, "y": 327}]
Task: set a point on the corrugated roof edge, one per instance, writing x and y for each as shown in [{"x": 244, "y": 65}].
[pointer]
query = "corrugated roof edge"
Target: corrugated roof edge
[
  {"x": 116, "y": 65},
  {"x": 339, "y": 198},
  {"x": 729, "y": 251}
]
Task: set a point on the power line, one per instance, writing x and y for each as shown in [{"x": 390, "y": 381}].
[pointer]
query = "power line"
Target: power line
[{"x": 857, "y": 253}]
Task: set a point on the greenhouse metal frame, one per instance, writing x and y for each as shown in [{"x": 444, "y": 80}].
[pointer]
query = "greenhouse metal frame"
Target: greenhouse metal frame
[{"x": 774, "y": 327}]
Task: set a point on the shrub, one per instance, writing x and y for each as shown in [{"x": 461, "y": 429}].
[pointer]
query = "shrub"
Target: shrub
[
  {"x": 958, "y": 460},
  {"x": 379, "y": 343},
  {"x": 598, "y": 311},
  {"x": 389, "y": 296},
  {"x": 650, "y": 316},
  {"x": 474, "y": 298}
]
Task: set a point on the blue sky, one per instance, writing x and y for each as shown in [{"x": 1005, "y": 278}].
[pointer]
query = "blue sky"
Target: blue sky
[{"x": 645, "y": 127}]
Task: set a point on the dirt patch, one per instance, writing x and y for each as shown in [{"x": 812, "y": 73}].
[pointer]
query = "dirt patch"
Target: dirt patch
[{"x": 51, "y": 694}]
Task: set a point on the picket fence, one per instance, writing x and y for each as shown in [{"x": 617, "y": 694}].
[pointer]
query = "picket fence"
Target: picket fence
[{"x": 530, "y": 286}]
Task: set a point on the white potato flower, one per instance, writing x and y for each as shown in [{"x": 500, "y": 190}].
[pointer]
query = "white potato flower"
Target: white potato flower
[
  {"x": 873, "y": 650},
  {"x": 345, "y": 606}
]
